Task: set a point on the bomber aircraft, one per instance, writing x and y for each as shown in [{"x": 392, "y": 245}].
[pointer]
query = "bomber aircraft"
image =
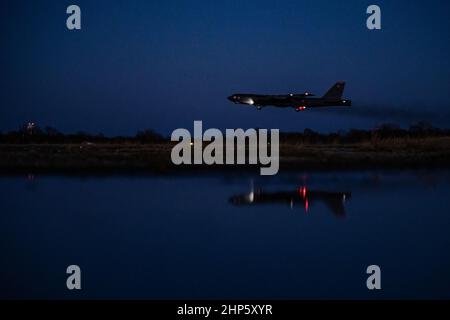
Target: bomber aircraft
[{"x": 298, "y": 101}]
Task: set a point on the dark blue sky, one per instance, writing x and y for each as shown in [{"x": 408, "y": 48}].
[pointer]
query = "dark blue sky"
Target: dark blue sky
[{"x": 164, "y": 64}]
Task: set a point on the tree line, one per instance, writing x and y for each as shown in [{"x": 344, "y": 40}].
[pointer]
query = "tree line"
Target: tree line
[{"x": 31, "y": 133}]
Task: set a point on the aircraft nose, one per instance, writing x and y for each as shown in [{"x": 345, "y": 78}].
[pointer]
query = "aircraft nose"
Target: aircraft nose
[{"x": 231, "y": 98}]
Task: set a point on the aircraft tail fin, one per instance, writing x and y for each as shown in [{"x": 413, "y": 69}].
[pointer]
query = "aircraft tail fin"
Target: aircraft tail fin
[{"x": 335, "y": 91}]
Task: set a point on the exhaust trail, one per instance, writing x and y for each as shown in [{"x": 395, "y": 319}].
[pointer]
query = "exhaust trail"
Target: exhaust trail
[{"x": 395, "y": 114}]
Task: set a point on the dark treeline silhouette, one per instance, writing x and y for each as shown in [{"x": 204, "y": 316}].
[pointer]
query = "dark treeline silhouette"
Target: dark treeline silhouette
[
  {"x": 31, "y": 133},
  {"x": 382, "y": 132}
]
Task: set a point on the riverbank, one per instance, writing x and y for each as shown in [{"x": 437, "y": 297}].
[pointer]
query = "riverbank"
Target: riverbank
[{"x": 155, "y": 157}]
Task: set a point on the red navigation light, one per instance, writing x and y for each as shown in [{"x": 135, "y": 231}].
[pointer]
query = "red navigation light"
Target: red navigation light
[
  {"x": 306, "y": 205},
  {"x": 300, "y": 108},
  {"x": 302, "y": 192}
]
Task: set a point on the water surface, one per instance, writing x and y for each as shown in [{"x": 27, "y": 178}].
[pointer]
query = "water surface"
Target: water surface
[{"x": 296, "y": 235}]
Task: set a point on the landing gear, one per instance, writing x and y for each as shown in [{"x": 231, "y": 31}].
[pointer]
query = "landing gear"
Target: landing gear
[{"x": 258, "y": 107}]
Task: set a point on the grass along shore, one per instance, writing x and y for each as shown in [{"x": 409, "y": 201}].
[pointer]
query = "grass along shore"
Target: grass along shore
[{"x": 155, "y": 157}]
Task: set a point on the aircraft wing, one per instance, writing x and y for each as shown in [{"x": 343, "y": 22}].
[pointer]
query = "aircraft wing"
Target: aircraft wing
[{"x": 302, "y": 95}]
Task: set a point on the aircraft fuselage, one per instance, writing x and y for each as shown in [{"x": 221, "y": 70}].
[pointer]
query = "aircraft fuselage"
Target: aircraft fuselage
[
  {"x": 302, "y": 101},
  {"x": 286, "y": 101}
]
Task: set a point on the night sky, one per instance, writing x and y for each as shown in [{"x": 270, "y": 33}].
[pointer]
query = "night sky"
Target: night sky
[{"x": 164, "y": 64}]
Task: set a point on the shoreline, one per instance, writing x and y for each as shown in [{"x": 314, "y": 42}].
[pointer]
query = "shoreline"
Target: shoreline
[{"x": 154, "y": 158}]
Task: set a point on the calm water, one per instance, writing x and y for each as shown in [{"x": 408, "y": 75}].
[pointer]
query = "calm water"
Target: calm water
[{"x": 297, "y": 235}]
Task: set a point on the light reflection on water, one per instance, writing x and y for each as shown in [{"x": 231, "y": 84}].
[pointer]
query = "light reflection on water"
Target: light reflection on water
[{"x": 295, "y": 235}]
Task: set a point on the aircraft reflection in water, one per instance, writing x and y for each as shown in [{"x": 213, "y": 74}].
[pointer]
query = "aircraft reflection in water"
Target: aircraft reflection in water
[{"x": 302, "y": 196}]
